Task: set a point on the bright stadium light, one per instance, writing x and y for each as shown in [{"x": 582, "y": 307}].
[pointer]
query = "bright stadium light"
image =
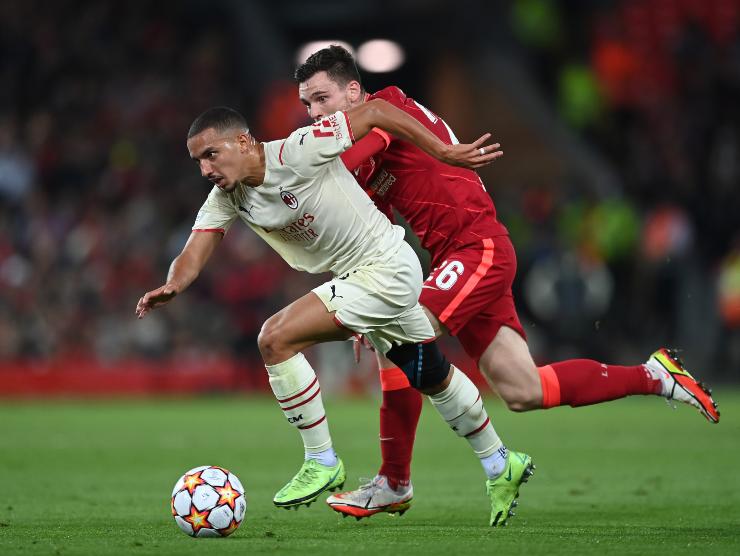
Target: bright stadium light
[
  {"x": 380, "y": 56},
  {"x": 310, "y": 47}
]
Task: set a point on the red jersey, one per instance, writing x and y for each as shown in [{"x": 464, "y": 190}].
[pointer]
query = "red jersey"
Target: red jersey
[{"x": 447, "y": 207}]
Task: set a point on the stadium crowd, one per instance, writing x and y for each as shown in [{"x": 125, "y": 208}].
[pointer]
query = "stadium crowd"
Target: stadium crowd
[
  {"x": 97, "y": 194},
  {"x": 654, "y": 85},
  {"x": 96, "y": 188}
]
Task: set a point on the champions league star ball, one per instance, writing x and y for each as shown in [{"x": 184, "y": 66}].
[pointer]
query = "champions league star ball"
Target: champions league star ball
[{"x": 208, "y": 501}]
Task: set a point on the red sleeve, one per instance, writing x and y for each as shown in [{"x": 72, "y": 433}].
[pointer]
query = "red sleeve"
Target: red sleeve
[{"x": 373, "y": 143}]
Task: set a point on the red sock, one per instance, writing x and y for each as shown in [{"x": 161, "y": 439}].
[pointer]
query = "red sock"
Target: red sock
[
  {"x": 579, "y": 382},
  {"x": 399, "y": 416}
]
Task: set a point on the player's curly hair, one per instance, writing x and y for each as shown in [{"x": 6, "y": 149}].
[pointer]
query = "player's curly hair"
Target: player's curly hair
[
  {"x": 220, "y": 118},
  {"x": 336, "y": 61}
]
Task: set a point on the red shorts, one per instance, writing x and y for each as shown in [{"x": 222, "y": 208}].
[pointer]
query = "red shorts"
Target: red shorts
[{"x": 470, "y": 293}]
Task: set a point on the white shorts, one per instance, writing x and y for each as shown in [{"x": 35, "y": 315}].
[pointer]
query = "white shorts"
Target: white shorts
[{"x": 381, "y": 301}]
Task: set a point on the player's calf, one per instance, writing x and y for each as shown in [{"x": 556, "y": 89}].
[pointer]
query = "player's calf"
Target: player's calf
[
  {"x": 459, "y": 403},
  {"x": 519, "y": 398},
  {"x": 298, "y": 393}
]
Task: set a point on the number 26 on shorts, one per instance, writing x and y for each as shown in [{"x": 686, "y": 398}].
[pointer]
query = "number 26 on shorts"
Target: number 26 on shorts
[{"x": 449, "y": 274}]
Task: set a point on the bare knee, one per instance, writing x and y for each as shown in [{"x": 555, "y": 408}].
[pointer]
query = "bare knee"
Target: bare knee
[{"x": 271, "y": 342}]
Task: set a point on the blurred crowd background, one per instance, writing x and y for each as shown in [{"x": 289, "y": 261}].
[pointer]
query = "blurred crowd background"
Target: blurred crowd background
[{"x": 620, "y": 183}]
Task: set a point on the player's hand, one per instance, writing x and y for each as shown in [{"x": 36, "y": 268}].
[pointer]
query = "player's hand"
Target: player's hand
[
  {"x": 357, "y": 344},
  {"x": 154, "y": 299},
  {"x": 472, "y": 155}
]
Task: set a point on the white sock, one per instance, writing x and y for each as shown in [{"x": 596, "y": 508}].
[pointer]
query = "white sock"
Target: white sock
[
  {"x": 657, "y": 372},
  {"x": 297, "y": 390},
  {"x": 461, "y": 406},
  {"x": 325, "y": 457},
  {"x": 495, "y": 464}
]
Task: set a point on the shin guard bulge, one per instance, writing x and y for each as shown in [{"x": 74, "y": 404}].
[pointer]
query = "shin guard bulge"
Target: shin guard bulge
[
  {"x": 460, "y": 404},
  {"x": 578, "y": 382},
  {"x": 399, "y": 416},
  {"x": 297, "y": 390}
]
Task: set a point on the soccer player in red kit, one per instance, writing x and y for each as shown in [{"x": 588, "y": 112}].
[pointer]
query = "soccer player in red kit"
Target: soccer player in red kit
[{"x": 467, "y": 294}]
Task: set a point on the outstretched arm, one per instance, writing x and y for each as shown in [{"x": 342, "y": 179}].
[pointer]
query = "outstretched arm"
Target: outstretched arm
[
  {"x": 183, "y": 271},
  {"x": 379, "y": 113},
  {"x": 364, "y": 148}
]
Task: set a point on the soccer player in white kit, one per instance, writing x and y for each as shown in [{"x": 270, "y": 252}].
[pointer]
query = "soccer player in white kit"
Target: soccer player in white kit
[{"x": 299, "y": 197}]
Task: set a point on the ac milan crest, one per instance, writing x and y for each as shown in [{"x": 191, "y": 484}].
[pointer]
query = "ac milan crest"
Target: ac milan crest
[{"x": 289, "y": 199}]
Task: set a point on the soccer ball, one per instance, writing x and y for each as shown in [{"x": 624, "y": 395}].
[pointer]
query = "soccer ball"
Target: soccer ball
[{"x": 208, "y": 501}]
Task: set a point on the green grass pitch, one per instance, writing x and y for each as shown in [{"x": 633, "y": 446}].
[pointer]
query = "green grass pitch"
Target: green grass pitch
[{"x": 628, "y": 477}]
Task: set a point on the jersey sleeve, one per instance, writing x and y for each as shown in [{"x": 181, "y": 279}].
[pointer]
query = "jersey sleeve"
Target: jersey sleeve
[
  {"x": 216, "y": 215},
  {"x": 374, "y": 142},
  {"x": 307, "y": 149}
]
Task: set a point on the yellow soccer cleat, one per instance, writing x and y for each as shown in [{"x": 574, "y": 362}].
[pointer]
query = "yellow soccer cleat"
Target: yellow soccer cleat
[{"x": 679, "y": 385}]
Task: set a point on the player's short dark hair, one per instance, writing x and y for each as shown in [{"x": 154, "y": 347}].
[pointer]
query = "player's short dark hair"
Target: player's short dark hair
[
  {"x": 336, "y": 61},
  {"x": 220, "y": 118}
]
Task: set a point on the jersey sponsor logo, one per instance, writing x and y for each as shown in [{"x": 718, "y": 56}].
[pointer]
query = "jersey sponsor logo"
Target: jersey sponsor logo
[
  {"x": 303, "y": 235},
  {"x": 382, "y": 182},
  {"x": 294, "y": 226},
  {"x": 289, "y": 199},
  {"x": 298, "y": 230}
]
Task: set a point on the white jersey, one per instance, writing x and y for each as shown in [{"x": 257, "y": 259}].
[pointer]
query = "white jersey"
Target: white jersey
[{"x": 309, "y": 207}]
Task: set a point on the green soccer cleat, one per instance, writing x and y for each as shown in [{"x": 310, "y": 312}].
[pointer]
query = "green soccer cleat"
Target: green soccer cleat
[
  {"x": 310, "y": 481},
  {"x": 504, "y": 489}
]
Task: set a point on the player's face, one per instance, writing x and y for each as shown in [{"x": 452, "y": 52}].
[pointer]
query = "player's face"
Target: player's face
[
  {"x": 219, "y": 157},
  {"x": 322, "y": 96}
]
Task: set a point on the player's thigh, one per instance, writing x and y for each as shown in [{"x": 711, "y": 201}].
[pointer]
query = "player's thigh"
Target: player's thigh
[
  {"x": 509, "y": 368},
  {"x": 380, "y": 302},
  {"x": 301, "y": 324},
  {"x": 438, "y": 327},
  {"x": 383, "y": 361},
  {"x": 467, "y": 282}
]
